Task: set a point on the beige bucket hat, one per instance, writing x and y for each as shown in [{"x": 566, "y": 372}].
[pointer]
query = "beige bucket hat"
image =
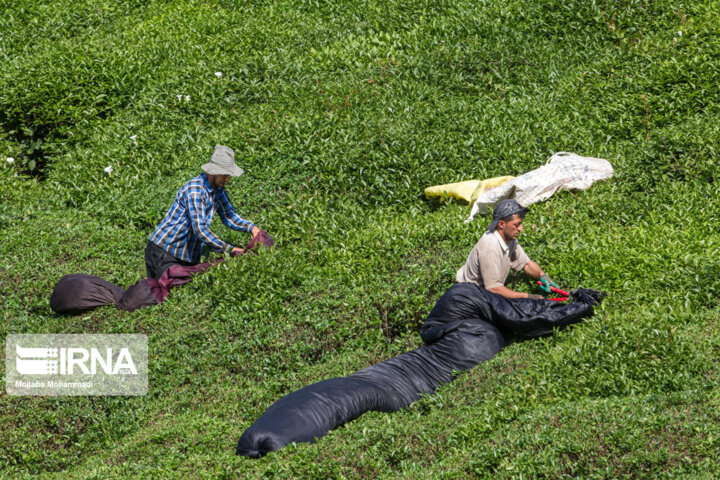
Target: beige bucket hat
[{"x": 222, "y": 162}]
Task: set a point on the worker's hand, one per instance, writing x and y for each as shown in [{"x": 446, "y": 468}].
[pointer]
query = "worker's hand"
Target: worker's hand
[
  {"x": 534, "y": 296},
  {"x": 255, "y": 230},
  {"x": 236, "y": 251},
  {"x": 547, "y": 283}
]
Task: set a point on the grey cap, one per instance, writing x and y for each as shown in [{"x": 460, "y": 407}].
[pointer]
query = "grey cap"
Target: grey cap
[
  {"x": 222, "y": 162},
  {"x": 504, "y": 209}
]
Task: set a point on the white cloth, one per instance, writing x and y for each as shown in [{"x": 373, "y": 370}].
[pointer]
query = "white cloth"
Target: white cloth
[{"x": 564, "y": 171}]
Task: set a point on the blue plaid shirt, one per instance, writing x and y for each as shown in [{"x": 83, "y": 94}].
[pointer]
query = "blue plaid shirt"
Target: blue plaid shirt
[{"x": 185, "y": 227}]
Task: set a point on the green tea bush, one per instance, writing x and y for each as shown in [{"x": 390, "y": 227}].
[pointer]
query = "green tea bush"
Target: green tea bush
[{"x": 341, "y": 113}]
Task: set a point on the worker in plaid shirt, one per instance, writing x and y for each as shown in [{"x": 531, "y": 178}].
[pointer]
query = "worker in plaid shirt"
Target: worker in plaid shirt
[{"x": 179, "y": 238}]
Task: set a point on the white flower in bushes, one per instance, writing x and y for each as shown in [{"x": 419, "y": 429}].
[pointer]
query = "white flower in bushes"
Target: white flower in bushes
[
  {"x": 108, "y": 169},
  {"x": 187, "y": 98},
  {"x": 10, "y": 160},
  {"x": 134, "y": 139},
  {"x": 218, "y": 74}
]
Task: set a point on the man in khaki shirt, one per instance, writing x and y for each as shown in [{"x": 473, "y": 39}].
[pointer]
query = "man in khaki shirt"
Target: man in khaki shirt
[{"x": 497, "y": 252}]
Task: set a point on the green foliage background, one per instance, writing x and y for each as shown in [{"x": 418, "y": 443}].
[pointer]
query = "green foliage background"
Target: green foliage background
[{"x": 341, "y": 113}]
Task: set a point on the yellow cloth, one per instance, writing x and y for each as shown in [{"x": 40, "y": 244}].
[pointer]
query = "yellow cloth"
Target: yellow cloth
[{"x": 468, "y": 190}]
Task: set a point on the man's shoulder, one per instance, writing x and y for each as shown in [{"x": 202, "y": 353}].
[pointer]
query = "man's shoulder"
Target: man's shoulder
[
  {"x": 491, "y": 243},
  {"x": 487, "y": 240},
  {"x": 193, "y": 186}
]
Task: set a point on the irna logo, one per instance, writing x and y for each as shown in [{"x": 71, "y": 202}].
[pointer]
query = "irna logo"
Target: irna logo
[
  {"x": 69, "y": 361},
  {"x": 76, "y": 364}
]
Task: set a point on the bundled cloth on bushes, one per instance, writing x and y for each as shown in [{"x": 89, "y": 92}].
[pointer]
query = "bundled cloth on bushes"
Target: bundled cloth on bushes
[
  {"x": 563, "y": 171},
  {"x": 77, "y": 293},
  {"x": 467, "y": 326},
  {"x": 469, "y": 190}
]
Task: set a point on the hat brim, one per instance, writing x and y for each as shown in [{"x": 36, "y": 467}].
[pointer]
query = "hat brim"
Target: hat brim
[{"x": 214, "y": 169}]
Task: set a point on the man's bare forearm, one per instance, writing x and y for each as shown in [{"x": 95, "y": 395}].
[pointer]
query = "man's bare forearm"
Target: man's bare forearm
[
  {"x": 507, "y": 293},
  {"x": 533, "y": 270}
]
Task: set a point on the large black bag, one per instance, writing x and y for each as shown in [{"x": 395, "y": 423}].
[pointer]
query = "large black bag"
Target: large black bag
[
  {"x": 313, "y": 411},
  {"x": 462, "y": 331},
  {"x": 518, "y": 317}
]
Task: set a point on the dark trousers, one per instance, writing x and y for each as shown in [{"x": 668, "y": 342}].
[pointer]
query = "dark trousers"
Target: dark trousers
[{"x": 158, "y": 260}]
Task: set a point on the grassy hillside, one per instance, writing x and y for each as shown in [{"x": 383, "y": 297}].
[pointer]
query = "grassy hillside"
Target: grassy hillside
[{"x": 341, "y": 113}]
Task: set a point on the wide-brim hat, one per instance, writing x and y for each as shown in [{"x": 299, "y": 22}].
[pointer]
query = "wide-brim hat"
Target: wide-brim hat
[{"x": 222, "y": 162}]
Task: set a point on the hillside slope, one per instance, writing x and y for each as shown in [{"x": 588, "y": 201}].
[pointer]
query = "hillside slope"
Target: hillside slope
[{"x": 341, "y": 113}]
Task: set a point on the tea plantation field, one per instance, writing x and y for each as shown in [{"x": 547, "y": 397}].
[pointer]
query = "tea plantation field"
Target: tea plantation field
[{"x": 341, "y": 113}]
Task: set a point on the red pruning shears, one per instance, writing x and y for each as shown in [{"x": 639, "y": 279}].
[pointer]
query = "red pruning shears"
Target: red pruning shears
[{"x": 564, "y": 295}]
